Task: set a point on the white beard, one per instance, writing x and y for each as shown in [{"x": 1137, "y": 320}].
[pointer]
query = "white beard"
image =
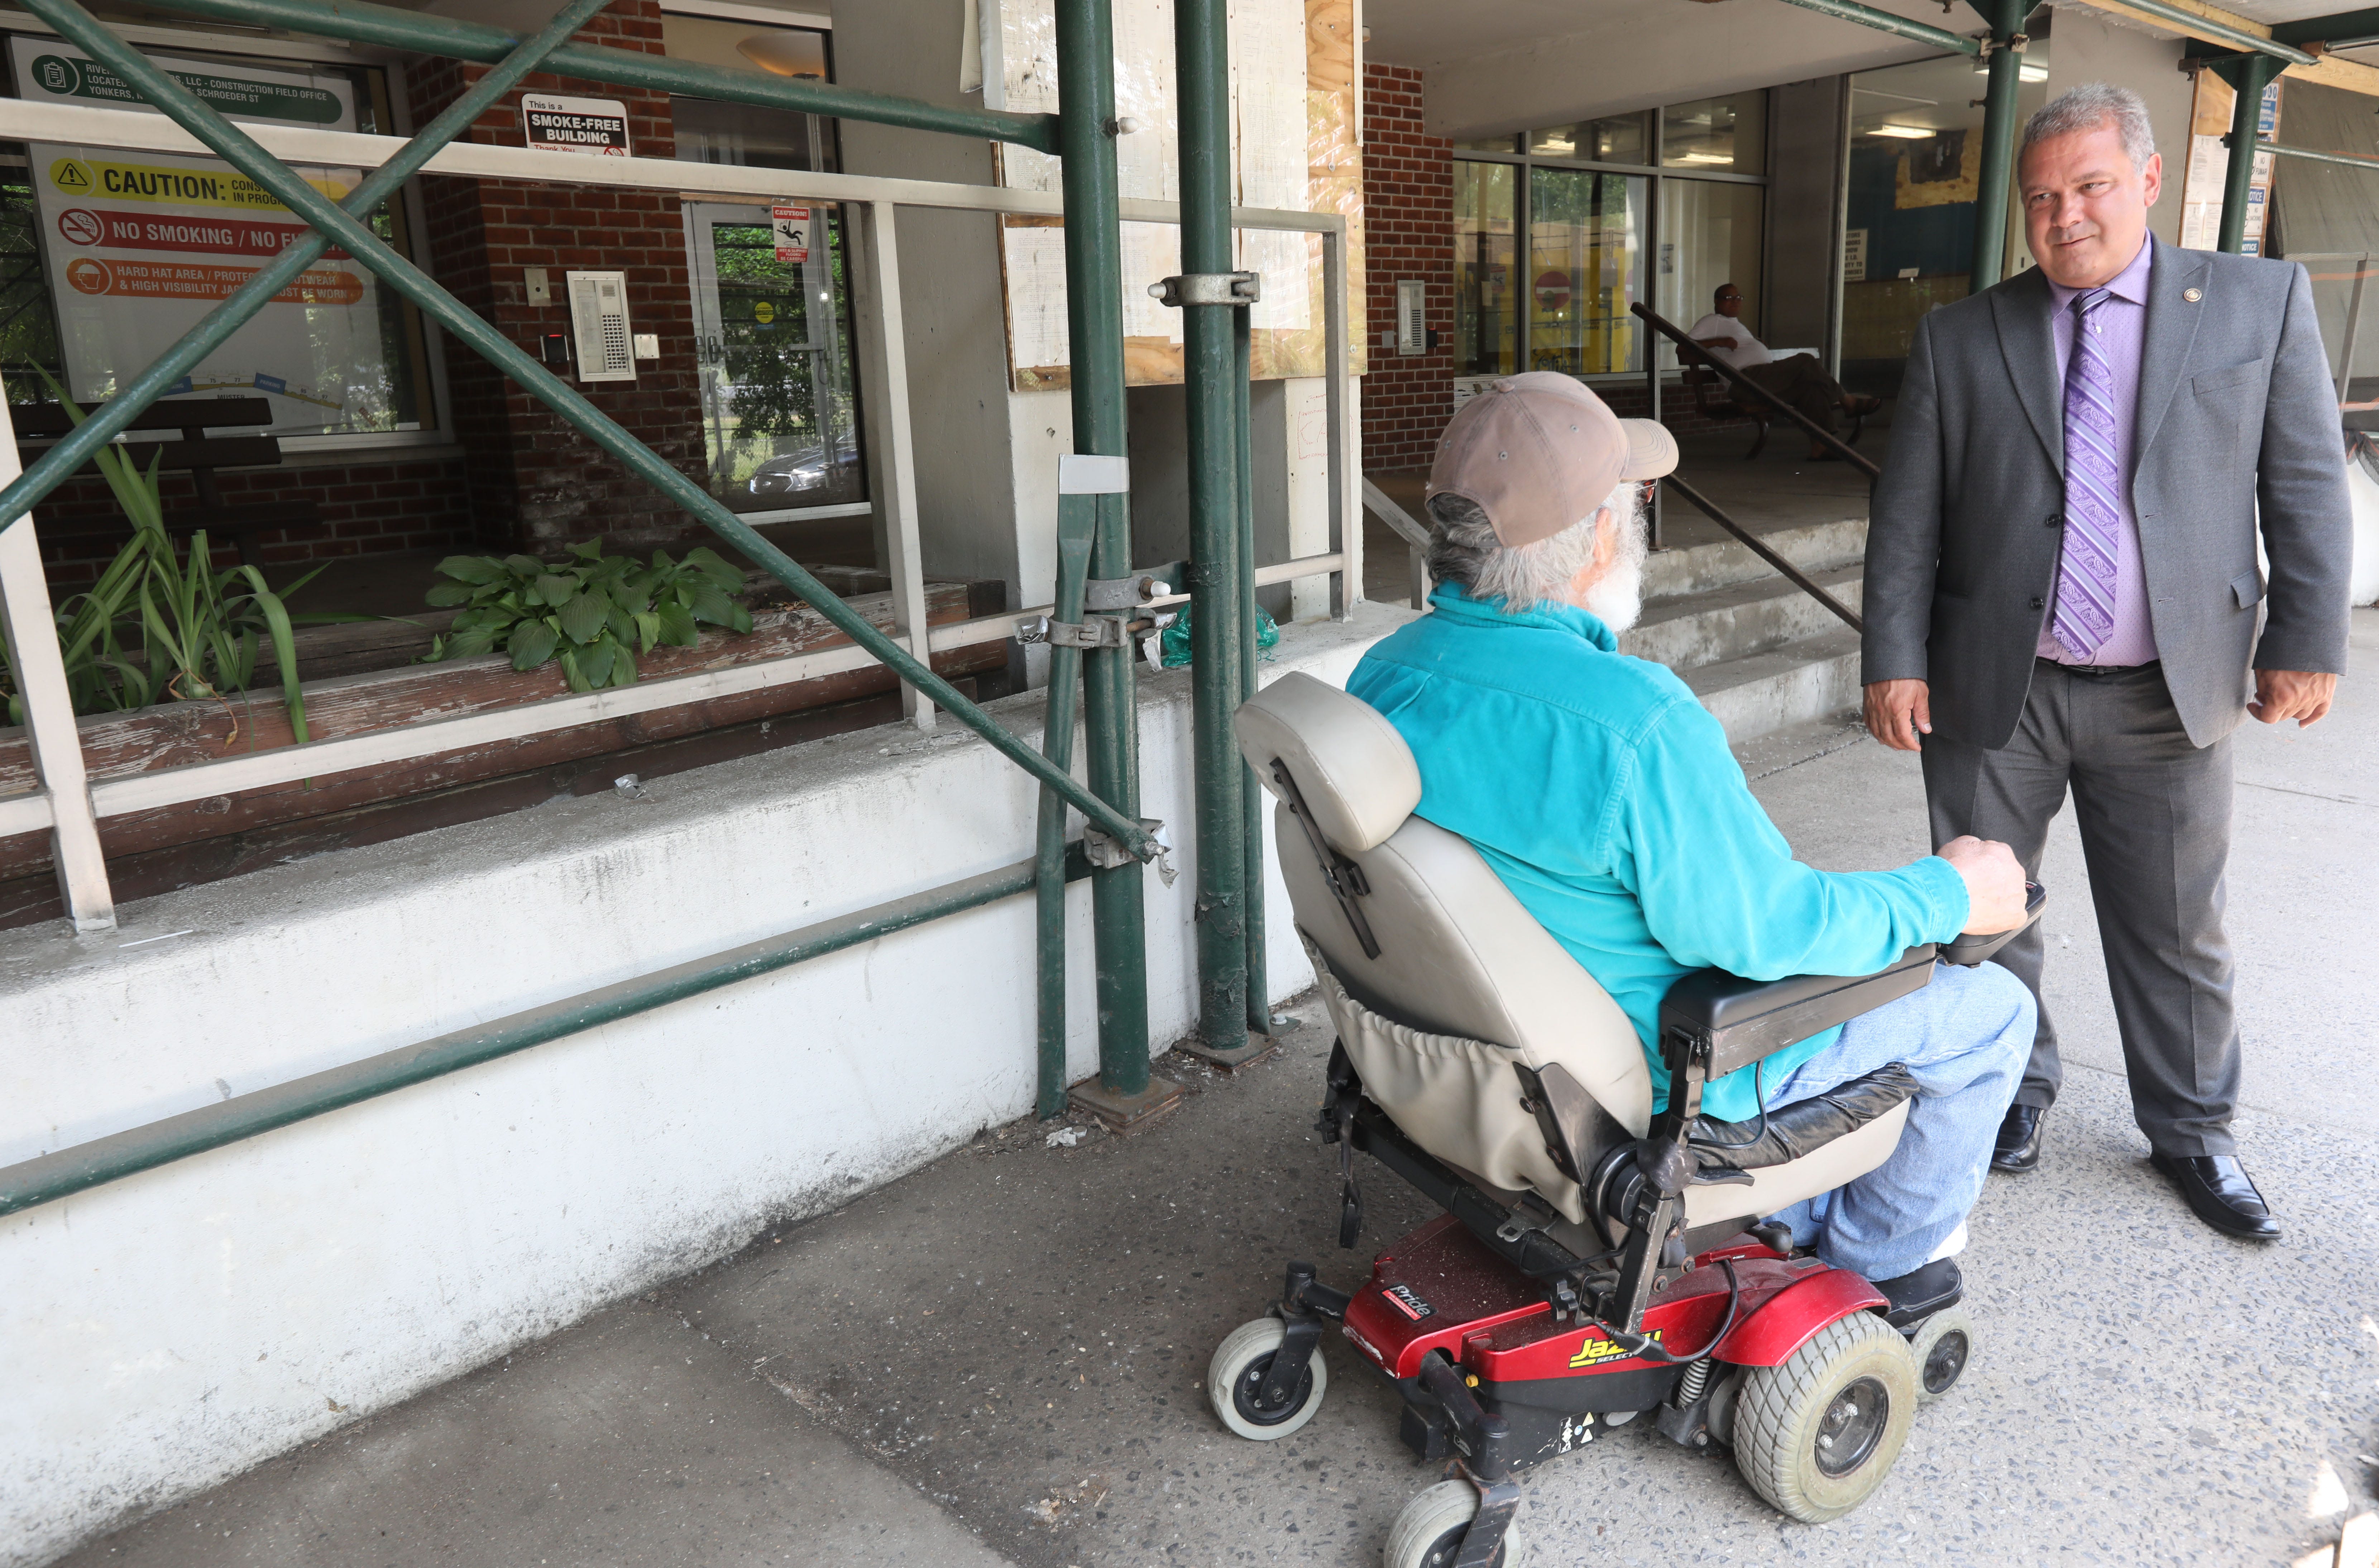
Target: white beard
[{"x": 1617, "y": 598}]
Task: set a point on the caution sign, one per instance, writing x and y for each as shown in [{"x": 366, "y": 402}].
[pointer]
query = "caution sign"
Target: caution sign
[
  {"x": 791, "y": 225},
  {"x": 599, "y": 125}
]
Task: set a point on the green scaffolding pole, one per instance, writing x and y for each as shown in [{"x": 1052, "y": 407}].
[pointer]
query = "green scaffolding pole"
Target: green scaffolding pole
[
  {"x": 1216, "y": 566},
  {"x": 2249, "y": 74},
  {"x": 1087, "y": 129},
  {"x": 1242, "y": 396},
  {"x": 343, "y": 228},
  {"x": 1078, "y": 523},
  {"x": 1998, "y": 162}
]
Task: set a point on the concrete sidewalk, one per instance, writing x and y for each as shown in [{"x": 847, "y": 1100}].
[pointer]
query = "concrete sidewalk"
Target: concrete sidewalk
[{"x": 998, "y": 1357}]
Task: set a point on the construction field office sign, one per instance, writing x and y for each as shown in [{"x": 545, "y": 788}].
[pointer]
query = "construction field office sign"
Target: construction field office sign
[{"x": 140, "y": 245}]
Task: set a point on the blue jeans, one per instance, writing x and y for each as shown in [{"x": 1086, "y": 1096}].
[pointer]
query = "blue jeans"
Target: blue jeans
[{"x": 1967, "y": 1037}]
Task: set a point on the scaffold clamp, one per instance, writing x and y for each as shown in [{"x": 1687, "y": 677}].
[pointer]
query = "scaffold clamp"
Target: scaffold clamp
[
  {"x": 1104, "y": 852},
  {"x": 1209, "y": 288}
]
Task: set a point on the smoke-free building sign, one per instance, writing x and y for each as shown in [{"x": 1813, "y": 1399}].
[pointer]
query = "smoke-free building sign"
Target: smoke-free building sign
[{"x": 575, "y": 125}]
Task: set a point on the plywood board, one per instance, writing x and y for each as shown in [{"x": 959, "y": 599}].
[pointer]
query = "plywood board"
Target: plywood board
[{"x": 1295, "y": 116}]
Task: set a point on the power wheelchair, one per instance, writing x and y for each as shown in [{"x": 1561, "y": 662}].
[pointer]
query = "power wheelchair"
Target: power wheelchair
[{"x": 1594, "y": 1261}]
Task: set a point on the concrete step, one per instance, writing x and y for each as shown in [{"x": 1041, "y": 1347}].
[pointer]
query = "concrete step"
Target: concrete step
[
  {"x": 1688, "y": 631},
  {"x": 1758, "y": 694},
  {"x": 1672, "y": 573}
]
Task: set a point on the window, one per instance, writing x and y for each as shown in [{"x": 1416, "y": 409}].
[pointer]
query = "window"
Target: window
[
  {"x": 1574, "y": 209},
  {"x": 1623, "y": 139},
  {"x": 1486, "y": 316},
  {"x": 113, "y": 255},
  {"x": 1711, "y": 232},
  {"x": 1717, "y": 133},
  {"x": 1586, "y": 243}
]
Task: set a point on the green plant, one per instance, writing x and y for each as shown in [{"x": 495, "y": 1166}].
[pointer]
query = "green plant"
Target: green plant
[
  {"x": 594, "y": 612},
  {"x": 159, "y": 624}
]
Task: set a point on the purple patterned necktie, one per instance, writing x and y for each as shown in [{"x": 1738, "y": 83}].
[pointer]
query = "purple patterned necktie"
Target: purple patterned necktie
[{"x": 2094, "y": 484}]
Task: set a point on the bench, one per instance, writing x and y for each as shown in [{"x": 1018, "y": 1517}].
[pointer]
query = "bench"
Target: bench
[{"x": 197, "y": 454}]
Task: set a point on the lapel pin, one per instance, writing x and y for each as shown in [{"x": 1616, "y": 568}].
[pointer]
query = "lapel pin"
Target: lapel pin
[{"x": 2192, "y": 296}]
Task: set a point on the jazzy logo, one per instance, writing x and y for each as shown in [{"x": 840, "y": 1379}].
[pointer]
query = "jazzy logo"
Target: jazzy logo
[{"x": 1595, "y": 1352}]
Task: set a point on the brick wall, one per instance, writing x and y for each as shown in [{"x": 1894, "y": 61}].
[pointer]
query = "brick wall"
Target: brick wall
[
  {"x": 1408, "y": 230},
  {"x": 376, "y": 505},
  {"x": 534, "y": 481}
]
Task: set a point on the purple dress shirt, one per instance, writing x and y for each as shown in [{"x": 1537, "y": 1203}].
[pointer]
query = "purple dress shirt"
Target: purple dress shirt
[{"x": 2122, "y": 325}]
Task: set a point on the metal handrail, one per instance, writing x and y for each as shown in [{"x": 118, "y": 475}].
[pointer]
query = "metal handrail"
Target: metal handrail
[
  {"x": 1799, "y": 578},
  {"x": 1669, "y": 329}
]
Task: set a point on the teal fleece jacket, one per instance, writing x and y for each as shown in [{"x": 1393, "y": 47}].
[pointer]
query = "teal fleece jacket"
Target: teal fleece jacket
[{"x": 1606, "y": 799}]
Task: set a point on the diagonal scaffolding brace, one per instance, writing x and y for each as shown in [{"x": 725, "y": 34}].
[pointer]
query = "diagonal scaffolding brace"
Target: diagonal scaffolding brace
[{"x": 333, "y": 225}]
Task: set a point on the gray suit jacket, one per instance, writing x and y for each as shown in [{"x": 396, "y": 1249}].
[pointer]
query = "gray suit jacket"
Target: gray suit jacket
[{"x": 2236, "y": 408}]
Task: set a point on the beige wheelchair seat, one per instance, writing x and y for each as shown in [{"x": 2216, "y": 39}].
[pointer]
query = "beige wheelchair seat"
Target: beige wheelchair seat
[{"x": 1466, "y": 983}]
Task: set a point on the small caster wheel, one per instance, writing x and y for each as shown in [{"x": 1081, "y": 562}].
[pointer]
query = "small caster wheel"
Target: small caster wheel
[
  {"x": 1817, "y": 1434},
  {"x": 1942, "y": 1345},
  {"x": 1427, "y": 1530},
  {"x": 1235, "y": 1378}
]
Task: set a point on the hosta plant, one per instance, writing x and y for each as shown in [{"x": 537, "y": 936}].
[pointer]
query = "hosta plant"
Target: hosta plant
[{"x": 595, "y": 614}]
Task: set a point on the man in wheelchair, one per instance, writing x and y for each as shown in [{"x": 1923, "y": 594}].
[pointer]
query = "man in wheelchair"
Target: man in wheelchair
[
  {"x": 1579, "y": 984},
  {"x": 1606, "y": 799}
]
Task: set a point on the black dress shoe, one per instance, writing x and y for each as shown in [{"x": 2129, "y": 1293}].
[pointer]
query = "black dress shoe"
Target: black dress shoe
[
  {"x": 1917, "y": 1294},
  {"x": 2018, "y": 1148},
  {"x": 2217, "y": 1186}
]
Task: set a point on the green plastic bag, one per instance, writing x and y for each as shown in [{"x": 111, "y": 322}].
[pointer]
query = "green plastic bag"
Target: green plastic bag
[{"x": 1174, "y": 642}]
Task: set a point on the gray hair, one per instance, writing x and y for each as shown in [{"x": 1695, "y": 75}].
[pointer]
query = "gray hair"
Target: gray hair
[
  {"x": 2092, "y": 104},
  {"x": 1463, "y": 548}
]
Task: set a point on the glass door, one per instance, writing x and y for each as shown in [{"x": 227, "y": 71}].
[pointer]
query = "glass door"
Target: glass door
[{"x": 772, "y": 337}]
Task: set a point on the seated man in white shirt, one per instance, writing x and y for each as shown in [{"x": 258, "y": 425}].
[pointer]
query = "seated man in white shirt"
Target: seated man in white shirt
[{"x": 1799, "y": 380}]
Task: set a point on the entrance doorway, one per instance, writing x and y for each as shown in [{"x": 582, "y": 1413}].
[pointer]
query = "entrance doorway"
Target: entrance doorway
[{"x": 772, "y": 339}]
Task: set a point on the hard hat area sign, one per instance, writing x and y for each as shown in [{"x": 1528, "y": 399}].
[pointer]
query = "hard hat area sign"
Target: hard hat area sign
[
  {"x": 791, "y": 225},
  {"x": 597, "y": 126}
]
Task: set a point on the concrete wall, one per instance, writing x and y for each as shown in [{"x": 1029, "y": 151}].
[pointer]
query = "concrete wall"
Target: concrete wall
[
  {"x": 2088, "y": 45},
  {"x": 172, "y": 1329},
  {"x": 1805, "y": 233}
]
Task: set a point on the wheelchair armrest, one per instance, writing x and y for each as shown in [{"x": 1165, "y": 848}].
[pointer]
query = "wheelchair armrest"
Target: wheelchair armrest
[
  {"x": 1968, "y": 951},
  {"x": 1745, "y": 1019}
]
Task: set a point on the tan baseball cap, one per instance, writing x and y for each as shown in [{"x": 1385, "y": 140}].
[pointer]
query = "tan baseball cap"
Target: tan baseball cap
[{"x": 1539, "y": 452}]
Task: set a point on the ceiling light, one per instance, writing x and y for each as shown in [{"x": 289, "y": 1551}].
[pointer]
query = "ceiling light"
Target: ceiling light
[
  {"x": 2026, "y": 71},
  {"x": 1706, "y": 158},
  {"x": 1911, "y": 133}
]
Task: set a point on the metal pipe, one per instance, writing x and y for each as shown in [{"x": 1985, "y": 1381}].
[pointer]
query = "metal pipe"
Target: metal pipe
[
  {"x": 1086, "y": 132},
  {"x": 1078, "y": 523},
  {"x": 1251, "y": 792},
  {"x": 1884, "y": 21},
  {"x": 2253, "y": 74},
  {"x": 1202, "y": 66},
  {"x": 1799, "y": 579},
  {"x": 1687, "y": 347},
  {"x": 2353, "y": 333},
  {"x": 1999, "y": 115},
  {"x": 2198, "y": 26},
  {"x": 169, "y": 96},
  {"x": 215, "y": 328},
  {"x": 2345, "y": 159},
  {"x": 415, "y": 32},
  {"x": 51, "y": 1177}
]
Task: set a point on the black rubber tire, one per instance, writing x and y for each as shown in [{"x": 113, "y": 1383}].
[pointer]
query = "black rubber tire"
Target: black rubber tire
[{"x": 1781, "y": 1415}]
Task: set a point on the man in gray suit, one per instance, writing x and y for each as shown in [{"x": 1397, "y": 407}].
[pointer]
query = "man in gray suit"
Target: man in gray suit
[{"x": 2063, "y": 590}]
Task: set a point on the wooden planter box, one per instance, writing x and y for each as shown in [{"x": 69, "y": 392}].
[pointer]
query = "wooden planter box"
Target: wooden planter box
[{"x": 178, "y": 734}]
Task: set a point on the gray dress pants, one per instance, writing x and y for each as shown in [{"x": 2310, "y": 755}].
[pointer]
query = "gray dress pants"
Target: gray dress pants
[{"x": 2154, "y": 815}]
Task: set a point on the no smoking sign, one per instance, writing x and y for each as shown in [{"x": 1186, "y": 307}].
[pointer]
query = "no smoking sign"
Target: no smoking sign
[{"x": 80, "y": 225}]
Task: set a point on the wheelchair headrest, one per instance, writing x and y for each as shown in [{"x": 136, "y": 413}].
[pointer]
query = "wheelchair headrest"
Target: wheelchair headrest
[{"x": 1357, "y": 774}]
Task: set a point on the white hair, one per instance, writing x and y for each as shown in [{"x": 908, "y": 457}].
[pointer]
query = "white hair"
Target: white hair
[
  {"x": 1463, "y": 548},
  {"x": 2091, "y": 106}
]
